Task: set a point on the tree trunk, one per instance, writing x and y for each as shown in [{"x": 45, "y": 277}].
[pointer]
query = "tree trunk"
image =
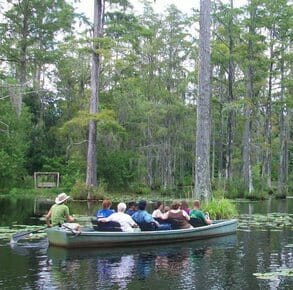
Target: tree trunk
[
  {"x": 246, "y": 155},
  {"x": 266, "y": 172},
  {"x": 247, "y": 166},
  {"x": 202, "y": 163},
  {"x": 213, "y": 155},
  {"x": 25, "y": 6},
  {"x": 231, "y": 115},
  {"x": 221, "y": 139},
  {"x": 91, "y": 174},
  {"x": 284, "y": 124}
]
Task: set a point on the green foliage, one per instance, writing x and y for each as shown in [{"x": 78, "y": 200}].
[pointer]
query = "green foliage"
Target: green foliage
[
  {"x": 220, "y": 209},
  {"x": 228, "y": 189},
  {"x": 14, "y": 143},
  {"x": 53, "y": 164},
  {"x": 80, "y": 191},
  {"x": 219, "y": 193},
  {"x": 139, "y": 189},
  {"x": 105, "y": 119},
  {"x": 27, "y": 182},
  {"x": 115, "y": 167},
  {"x": 147, "y": 96},
  {"x": 256, "y": 195},
  {"x": 170, "y": 191},
  {"x": 36, "y": 192},
  {"x": 73, "y": 171}
]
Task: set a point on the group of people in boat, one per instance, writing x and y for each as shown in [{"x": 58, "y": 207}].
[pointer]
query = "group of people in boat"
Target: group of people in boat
[
  {"x": 134, "y": 217},
  {"x": 177, "y": 216}
]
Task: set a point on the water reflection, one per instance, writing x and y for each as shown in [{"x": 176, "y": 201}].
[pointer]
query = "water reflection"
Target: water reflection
[
  {"x": 219, "y": 263},
  {"x": 118, "y": 270},
  {"x": 173, "y": 263},
  {"x": 25, "y": 248},
  {"x": 120, "y": 267}
]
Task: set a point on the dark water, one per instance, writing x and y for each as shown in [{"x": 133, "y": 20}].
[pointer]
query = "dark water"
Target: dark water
[{"x": 221, "y": 263}]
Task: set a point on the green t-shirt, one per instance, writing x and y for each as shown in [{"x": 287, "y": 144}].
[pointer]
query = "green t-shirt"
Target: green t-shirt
[
  {"x": 197, "y": 214},
  {"x": 59, "y": 214}
]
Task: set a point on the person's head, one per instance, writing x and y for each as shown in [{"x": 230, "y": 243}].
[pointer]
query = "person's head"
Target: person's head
[
  {"x": 142, "y": 205},
  {"x": 175, "y": 205},
  {"x": 159, "y": 205},
  {"x": 121, "y": 207},
  {"x": 196, "y": 204},
  {"x": 166, "y": 208},
  {"x": 184, "y": 204},
  {"x": 132, "y": 205},
  {"x": 106, "y": 204},
  {"x": 61, "y": 198}
]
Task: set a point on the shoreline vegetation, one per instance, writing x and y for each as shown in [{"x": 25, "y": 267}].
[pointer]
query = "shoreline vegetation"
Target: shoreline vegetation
[
  {"x": 274, "y": 221},
  {"x": 220, "y": 207}
]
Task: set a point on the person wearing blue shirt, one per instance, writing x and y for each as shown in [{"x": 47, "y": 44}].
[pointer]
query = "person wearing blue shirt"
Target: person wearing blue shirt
[
  {"x": 106, "y": 210},
  {"x": 132, "y": 208},
  {"x": 145, "y": 220}
]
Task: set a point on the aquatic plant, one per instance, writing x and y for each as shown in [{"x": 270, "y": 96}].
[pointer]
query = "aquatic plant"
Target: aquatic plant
[
  {"x": 272, "y": 221},
  {"x": 220, "y": 209},
  {"x": 275, "y": 275}
]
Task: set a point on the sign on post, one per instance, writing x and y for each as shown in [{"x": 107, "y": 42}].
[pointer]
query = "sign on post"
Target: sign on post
[{"x": 46, "y": 179}]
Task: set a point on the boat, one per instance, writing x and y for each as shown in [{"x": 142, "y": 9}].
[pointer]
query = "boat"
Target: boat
[
  {"x": 90, "y": 238},
  {"x": 58, "y": 254}
]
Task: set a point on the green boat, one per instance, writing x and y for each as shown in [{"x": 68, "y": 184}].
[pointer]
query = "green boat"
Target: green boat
[{"x": 90, "y": 238}]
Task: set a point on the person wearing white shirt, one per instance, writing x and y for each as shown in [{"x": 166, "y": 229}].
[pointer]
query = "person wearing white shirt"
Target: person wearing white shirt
[{"x": 126, "y": 222}]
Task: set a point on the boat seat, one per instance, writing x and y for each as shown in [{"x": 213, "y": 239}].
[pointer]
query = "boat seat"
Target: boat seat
[
  {"x": 164, "y": 224},
  {"x": 173, "y": 223},
  {"x": 196, "y": 222},
  {"x": 106, "y": 227},
  {"x": 153, "y": 226},
  {"x": 148, "y": 226}
]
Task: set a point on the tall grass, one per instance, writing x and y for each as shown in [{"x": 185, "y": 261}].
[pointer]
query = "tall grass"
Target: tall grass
[{"x": 220, "y": 209}]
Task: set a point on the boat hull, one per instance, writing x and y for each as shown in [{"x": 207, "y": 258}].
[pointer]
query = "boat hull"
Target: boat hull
[{"x": 94, "y": 239}]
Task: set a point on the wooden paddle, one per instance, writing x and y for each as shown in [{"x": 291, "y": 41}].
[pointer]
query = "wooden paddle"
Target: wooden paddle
[{"x": 21, "y": 235}]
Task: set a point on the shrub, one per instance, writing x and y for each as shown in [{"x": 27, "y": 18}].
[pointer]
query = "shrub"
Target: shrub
[
  {"x": 73, "y": 171},
  {"x": 80, "y": 191},
  {"x": 234, "y": 189},
  {"x": 116, "y": 168},
  {"x": 256, "y": 195},
  {"x": 140, "y": 189},
  {"x": 220, "y": 209}
]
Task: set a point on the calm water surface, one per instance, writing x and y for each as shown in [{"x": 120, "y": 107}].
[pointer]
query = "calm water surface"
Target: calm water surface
[{"x": 221, "y": 263}]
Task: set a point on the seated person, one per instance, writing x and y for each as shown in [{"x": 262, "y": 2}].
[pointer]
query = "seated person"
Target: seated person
[
  {"x": 166, "y": 208},
  {"x": 126, "y": 222},
  {"x": 132, "y": 208},
  {"x": 196, "y": 213},
  {"x": 59, "y": 214},
  {"x": 145, "y": 219},
  {"x": 158, "y": 212},
  {"x": 184, "y": 206},
  {"x": 178, "y": 217},
  {"x": 106, "y": 210}
]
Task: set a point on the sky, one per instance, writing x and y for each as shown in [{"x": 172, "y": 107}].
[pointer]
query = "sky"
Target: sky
[{"x": 86, "y": 6}]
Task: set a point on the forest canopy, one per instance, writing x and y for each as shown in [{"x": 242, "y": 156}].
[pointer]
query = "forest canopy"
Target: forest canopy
[{"x": 148, "y": 94}]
